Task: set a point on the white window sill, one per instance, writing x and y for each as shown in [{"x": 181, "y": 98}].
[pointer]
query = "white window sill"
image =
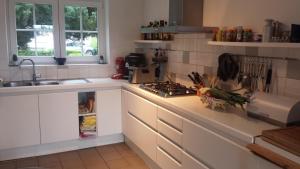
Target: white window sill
[{"x": 64, "y": 66}]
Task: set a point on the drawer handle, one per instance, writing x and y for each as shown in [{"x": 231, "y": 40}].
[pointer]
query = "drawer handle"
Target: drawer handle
[
  {"x": 135, "y": 117},
  {"x": 169, "y": 155},
  {"x": 170, "y": 125}
]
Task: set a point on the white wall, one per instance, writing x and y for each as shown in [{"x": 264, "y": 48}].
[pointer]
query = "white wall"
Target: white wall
[
  {"x": 250, "y": 13},
  {"x": 124, "y": 20}
]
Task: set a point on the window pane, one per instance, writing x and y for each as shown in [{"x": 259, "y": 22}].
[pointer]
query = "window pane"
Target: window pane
[
  {"x": 72, "y": 18},
  {"x": 89, "y": 18},
  {"x": 73, "y": 44},
  {"x": 26, "y": 43},
  {"x": 90, "y": 44},
  {"x": 44, "y": 43},
  {"x": 24, "y": 16},
  {"x": 43, "y": 16}
]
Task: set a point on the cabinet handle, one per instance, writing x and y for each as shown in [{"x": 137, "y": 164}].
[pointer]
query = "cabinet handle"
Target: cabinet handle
[
  {"x": 169, "y": 155},
  {"x": 273, "y": 157}
]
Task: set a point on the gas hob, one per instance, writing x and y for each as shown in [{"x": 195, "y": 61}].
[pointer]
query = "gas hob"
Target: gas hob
[{"x": 168, "y": 89}]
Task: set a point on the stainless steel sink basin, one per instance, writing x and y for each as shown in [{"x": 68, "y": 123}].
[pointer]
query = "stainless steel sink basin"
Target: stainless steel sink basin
[
  {"x": 44, "y": 82},
  {"x": 17, "y": 84},
  {"x": 29, "y": 83}
]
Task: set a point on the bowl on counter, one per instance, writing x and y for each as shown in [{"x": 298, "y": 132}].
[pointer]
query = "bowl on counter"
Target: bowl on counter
[{"x": 60, "y": 61}]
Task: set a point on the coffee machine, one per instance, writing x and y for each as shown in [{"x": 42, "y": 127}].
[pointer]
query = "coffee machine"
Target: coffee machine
[{"x": 137, "y": 70}]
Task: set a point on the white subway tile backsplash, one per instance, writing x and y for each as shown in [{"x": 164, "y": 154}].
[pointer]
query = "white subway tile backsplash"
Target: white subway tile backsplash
[
  {"x": 200, "y": 69},
  {"x": 84, "y": 72},
  {"x": 62, "y": 73},
  {"x": 15, "y": 74},
  {"x": 280, "y": 68},
  {"x": 4, "y": 74},
  {"x": 294, "y": 53},
  {"x": 73, "y": 73},
  {"x": 292, "y": 88},
  {"x": 51, "y": 72},
  {"x": 265, "y": 52}
]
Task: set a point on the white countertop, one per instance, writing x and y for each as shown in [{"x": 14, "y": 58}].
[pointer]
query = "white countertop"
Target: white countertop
[
  {"x": 235, "y": 125},
  {"x": 102, "y": 83}
]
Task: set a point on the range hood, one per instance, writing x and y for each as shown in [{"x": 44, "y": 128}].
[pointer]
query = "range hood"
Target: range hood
[{"x": 185, "y": 16}]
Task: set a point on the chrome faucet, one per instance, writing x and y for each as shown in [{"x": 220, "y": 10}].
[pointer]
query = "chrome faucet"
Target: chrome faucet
[{"x": 34, "y": 75}]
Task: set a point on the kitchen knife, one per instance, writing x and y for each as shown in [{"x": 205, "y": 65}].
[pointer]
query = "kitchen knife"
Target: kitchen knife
[{"x": 192, "y": 79}]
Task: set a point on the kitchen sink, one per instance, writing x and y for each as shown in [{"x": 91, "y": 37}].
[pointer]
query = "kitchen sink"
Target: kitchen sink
[
  {"x": 17, "y": 84},
  {"x": 44, "y": 82}
]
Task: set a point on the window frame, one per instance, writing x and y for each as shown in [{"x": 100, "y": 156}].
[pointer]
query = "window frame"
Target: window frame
[
  {"x": 13, "y": 30},
  {"x": 59, "y": 31},
  {"x": 101, "y": 30}
]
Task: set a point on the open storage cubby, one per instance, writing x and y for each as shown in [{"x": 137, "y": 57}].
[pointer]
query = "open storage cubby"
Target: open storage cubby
[{"x": 87, "y": 115}]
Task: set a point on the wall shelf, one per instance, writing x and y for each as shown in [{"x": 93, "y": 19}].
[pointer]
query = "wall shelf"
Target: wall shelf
[
  {"x": 152, "y": 42},
  {"x": 256, "y": 44}
]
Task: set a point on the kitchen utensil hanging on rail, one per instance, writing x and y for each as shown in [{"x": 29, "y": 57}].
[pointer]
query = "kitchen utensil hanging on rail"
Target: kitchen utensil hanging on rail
[{"x": 250, "y": 72}]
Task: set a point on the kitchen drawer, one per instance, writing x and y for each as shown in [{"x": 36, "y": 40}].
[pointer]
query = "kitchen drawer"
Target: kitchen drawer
[
  {"x": 169, "y": 132},
  {"x": 215, "y": 150},
  {"x": 188, "y": 162},
  {"x": 142, "y": 109},
  {"x": 141, "y": 135},
  {"x": 165, "y": 161},
  {"x": 169, "y": 147},
  {"x": 170, "y": 118}
]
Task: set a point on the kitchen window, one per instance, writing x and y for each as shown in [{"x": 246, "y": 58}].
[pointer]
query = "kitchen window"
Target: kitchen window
[{"x": 43, "y": 29}]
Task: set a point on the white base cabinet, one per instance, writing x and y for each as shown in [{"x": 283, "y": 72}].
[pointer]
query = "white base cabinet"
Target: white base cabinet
[
  {"x": 59, "y": 117},
  {"x": 19, "y": 121},
  {"x": 109, "y": 112},
  {"x": 138, "y": 131},
  {"x": 178, "y": 143}
]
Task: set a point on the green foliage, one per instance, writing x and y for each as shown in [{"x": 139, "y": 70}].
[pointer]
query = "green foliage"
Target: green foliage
[
  {"x": 29, "y": 52},
  {"x": 73, "y": 53},
  {"x": 94, "y": 42}
]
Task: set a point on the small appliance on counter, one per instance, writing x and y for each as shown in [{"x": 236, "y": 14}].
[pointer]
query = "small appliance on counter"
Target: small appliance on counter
[
  {"x": 137, "y": 70},
  {"x": 277, "y": 110},
  {"x": 120, "y": 68}
]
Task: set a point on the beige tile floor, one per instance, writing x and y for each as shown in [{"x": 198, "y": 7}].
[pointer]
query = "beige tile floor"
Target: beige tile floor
[{"x": 115, "y": 156}]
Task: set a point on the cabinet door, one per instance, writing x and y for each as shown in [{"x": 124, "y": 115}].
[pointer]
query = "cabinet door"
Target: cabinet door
[
  {"x": 141, "y": 135},
  {"x": 215, "y": 150},
  {"x": 124, "y": 112},
  {"x": 59, "y": 117},
  {"x": 19, "y": 121},
  {"x": 109, "y": 112}
]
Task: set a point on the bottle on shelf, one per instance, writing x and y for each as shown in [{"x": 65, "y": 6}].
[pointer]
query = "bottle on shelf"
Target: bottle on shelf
[{"x": 268, "y": 30}]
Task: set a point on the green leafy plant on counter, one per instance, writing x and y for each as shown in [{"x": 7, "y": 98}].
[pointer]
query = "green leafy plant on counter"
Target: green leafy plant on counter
[{"x": 229, "y": 98}]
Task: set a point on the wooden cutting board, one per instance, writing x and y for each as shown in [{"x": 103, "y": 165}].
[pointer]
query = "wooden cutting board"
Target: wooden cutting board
[{"x": 287, "y": 138}]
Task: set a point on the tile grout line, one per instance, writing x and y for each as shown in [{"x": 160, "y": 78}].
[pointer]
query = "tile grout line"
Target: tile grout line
[{"x": 102, "y": 158}]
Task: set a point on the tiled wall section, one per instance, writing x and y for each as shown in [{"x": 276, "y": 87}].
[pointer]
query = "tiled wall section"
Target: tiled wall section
[
  {"x": 57, "y": 72},
  {"x": 190, "y": 52}
]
